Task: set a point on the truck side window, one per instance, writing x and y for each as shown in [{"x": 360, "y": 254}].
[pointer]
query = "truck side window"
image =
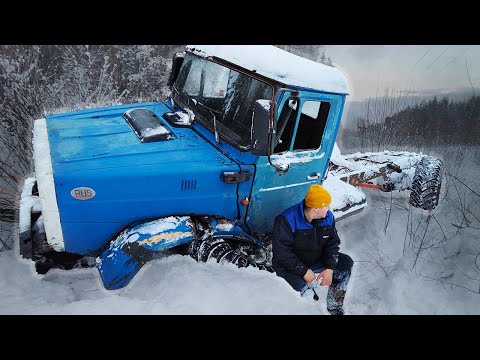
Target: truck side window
[
  {"x": 311, "y": 125},
  {"x": 285, "y": 126}
]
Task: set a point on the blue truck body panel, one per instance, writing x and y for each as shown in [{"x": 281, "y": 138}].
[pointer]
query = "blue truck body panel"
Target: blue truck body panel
[{"x": 132, "y": 180}]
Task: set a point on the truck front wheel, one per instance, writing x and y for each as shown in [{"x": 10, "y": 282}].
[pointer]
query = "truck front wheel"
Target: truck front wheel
[{"x": 240, "y": 253}]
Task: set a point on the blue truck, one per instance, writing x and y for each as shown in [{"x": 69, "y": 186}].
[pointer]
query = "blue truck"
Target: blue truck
[{"x": 245, "y": 132}]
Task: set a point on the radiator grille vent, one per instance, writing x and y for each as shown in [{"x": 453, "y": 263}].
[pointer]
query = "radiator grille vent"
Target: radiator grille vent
[{"x": 189, "y": 185}]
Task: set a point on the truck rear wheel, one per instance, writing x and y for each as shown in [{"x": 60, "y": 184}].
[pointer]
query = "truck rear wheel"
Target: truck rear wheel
[
  {"x": 426, "y": 184},
  {"x": 240, "y": 253}
]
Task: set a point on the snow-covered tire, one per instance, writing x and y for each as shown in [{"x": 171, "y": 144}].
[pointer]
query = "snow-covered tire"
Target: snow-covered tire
[
  {"x": 233, "y": 251},
  {"x": 426, "y": 184}
]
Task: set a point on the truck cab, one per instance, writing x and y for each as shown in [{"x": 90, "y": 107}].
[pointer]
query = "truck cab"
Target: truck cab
[{"x": 276, "y": 121}]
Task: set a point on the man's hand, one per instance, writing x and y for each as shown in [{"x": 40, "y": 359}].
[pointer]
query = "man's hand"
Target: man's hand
[
  {"x": 326, "y": 276},
  {"x": 309, "y": 276}
]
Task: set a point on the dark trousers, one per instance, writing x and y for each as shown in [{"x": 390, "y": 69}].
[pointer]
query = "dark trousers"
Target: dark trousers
[{"x": 340, "y": 279}]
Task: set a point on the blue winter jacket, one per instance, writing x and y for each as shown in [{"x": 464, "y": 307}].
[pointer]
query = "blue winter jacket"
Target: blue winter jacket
[{"x": 298, "y": 244}]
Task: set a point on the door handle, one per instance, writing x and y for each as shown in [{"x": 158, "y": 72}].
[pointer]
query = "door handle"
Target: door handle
[
  {"x": 314, "y": 176},
  {"x": 236, "y": 177}
]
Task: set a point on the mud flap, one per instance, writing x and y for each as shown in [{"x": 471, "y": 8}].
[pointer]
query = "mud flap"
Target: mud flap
[{"x": 139, "y": 244}]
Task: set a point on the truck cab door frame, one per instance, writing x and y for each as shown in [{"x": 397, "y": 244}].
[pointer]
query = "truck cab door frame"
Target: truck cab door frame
[{"x": 275, "y": 188}]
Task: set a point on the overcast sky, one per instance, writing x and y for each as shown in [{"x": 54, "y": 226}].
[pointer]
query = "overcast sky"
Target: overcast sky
[{"x": 440, "y": 68}]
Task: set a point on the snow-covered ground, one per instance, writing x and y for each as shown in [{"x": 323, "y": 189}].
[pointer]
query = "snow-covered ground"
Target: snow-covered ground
[{"x": 388, "y": 276}]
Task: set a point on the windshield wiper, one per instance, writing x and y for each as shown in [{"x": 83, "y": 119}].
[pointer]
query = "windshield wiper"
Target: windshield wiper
[
  {"x": 195, "y": 102},
  {"x": 217, "y": 139},
  {"x": 183, "y": 92}
]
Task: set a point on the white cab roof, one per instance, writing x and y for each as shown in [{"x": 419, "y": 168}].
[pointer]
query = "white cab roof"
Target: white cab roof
[{"x": 279, "y": 65}]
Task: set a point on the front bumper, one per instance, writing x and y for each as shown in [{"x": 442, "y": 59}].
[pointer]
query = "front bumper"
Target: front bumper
[{"x": 46, "y": 186}]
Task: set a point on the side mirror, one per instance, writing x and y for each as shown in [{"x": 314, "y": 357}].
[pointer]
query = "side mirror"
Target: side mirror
[
  {"x": 177, "y": 62},
  {"x": 261, "y": 132}
]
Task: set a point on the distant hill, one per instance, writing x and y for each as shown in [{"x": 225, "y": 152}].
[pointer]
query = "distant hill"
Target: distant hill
[{"x": 386, "y": 106}]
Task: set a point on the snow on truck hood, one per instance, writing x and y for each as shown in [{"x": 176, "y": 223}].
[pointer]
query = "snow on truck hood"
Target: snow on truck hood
[
  {"x": 279, "y": 65},
  {"x": 102, "y": 138}
]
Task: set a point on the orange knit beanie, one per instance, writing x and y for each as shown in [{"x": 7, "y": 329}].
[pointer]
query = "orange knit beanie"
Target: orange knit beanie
[{"x": 317, "y": 197}]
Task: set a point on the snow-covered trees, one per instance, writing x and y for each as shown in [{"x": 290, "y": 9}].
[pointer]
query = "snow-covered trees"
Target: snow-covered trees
[
  {"x": 312, "y": 52},
  {"x": 40, "y": 79}
]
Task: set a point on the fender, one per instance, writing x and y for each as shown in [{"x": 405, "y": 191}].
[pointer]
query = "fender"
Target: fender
[{"x": 137, "y": 245}]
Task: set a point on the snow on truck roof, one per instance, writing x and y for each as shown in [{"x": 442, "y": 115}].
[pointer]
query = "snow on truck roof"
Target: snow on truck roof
[{"x": 279, "y": 65}]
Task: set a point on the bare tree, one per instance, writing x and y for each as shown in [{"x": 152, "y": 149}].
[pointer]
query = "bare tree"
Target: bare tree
[{"x": 36, "y": 80}]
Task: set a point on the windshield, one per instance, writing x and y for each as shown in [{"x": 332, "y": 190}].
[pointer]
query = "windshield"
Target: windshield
[{"x": 221, "y": 98}]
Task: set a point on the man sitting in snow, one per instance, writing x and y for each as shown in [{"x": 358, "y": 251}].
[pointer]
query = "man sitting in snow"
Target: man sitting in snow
[{"x": 306, "y": 249}]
